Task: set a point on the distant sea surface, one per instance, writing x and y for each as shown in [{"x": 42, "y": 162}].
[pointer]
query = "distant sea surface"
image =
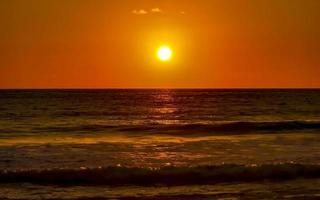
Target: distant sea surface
[{"x": 120, "y": 144}]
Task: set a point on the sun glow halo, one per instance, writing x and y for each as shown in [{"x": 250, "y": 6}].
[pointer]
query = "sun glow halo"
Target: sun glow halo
[{"x": 164, "y": 53}]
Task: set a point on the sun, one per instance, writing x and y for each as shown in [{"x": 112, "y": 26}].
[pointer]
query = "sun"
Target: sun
[{"x": 164, "y": 53}]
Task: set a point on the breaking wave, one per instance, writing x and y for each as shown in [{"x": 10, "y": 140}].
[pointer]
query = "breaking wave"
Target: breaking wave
[
  {"x": 238, "y": 126},
  {"x": 163, "y": 176},
  {"x": 216, "y": 127}
]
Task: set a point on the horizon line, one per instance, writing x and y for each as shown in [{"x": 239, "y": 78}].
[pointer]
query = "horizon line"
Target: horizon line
[{"x": 163, "y": 88}]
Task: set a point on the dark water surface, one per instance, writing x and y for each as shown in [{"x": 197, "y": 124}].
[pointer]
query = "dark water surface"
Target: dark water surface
[
  {"x": 190, "y": 140},
  {"x": 28, "y": 112}
]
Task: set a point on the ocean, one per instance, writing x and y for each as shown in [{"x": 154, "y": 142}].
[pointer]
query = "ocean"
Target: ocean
[{"x": 160, "y": 144}]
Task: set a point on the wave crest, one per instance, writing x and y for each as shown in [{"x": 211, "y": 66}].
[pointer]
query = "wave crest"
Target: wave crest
[
  {"x": 165, "y": 176},
  {"x": 238, "y": 126}
]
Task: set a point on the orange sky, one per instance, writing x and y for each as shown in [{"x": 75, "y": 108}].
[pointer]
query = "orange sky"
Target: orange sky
[{"x": 112, "y": 44}]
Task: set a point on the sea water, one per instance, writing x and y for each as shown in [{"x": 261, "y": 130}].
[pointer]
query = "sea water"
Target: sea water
[{"x": 159, "y": 144}]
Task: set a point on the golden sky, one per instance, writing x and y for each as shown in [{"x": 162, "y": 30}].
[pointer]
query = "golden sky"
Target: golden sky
[{"x": 113, "y": 44}]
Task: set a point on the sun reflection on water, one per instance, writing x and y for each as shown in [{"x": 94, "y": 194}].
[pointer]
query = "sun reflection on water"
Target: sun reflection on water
[
  {"x": 163, "y": 96},
  {"x": 164, "y": 107}
]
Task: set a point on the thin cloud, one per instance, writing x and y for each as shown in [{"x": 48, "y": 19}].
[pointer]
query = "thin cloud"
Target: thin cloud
[
  {"x": 151, "y": 11},
  {"x": 139, "y": 12},
  {"x": 156, "y": 10}
]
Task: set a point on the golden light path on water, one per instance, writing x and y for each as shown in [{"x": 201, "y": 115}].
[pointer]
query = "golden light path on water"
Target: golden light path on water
[
  {"x": 156, "y": 150},
  {"x": 145, "y": 139},
  {"x": 164, "y": 103}
]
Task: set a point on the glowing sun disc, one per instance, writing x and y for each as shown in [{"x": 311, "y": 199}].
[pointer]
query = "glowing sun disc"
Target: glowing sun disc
[{"x": 164, "y": 53}]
